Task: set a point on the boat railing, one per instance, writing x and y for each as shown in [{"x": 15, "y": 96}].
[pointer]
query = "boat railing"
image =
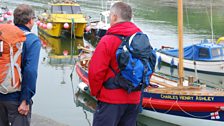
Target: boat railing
[
  {"x": 65, "y": 1},
  {"x": 65, "y": 12}
]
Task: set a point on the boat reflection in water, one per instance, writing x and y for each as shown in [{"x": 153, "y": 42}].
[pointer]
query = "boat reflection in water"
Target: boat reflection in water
[
  {"x": 88, "y": 103},
  {"x": 85, "y": 100},
  {"x": 61, "y": 52}
]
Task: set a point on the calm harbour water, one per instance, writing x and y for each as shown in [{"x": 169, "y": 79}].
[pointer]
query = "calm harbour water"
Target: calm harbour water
[{"x": 55, "y": 94}]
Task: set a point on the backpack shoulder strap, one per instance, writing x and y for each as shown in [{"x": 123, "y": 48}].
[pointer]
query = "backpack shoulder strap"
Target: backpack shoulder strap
[{"x": 121, "y": 37}]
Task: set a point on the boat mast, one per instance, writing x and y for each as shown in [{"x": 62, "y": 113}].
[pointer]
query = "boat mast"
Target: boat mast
[{"x": 180, "y": 42}]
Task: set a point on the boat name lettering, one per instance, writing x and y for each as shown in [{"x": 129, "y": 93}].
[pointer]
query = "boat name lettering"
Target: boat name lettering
[
  {"x": 187, "y": 98},
  {"x": 204, "y": 98},
  {"x": 173, "y": 97}
]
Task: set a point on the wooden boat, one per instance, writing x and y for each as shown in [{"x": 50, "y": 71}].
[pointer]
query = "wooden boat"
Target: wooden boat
[
  {"x": 169, "y": 102},
  {"x": 199, "y": 56},
  {"x": 172, "y": 104},
  {"x": 184, "y": 105},
  {"x": 66, "y": 17}
]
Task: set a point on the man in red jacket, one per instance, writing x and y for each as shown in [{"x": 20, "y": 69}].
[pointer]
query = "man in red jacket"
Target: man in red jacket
[{"x": 115, "y": 107}]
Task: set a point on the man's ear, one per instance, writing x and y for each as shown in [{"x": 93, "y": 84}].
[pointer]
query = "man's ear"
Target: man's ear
[
  {"x": 30, "y": 21},
  {"x": 114, "y": 17}
]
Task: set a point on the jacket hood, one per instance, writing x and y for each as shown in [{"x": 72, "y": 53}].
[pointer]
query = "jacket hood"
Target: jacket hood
[{"x": 123, "y": 28}]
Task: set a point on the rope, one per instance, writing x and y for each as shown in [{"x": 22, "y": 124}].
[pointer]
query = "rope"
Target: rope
[
  {"x": 85, "y": 113},
  {"x": 73, "y": 91},
  {"x": 155, "y": 109},
  {"x": 71, "y": 77},
  {"x": 191, "y": 115}
]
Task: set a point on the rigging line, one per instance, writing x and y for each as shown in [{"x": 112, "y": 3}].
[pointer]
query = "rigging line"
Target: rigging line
[
  {"x": 188, "y": 21},
  {"x": 210, "y": 19},
  {"x": 188, "y": 25},
  {"x": 186, "y": 10},
  {"x": 71, "y": 77},
  {"x": 72, "y": 83},
  {"x": 211, "y": 1},
  {"x": 86, "y": 117},
  {"x": 206, "y": 9}
]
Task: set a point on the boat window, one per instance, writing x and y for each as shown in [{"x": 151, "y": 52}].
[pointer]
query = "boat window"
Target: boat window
[
  {"x": 76, "y": 9},
  {"x": 71, "y": 10},
  {"x": 67, "y": 9},
  {"x": 203, "y": 53},
  {"x": 216, "y": 52},
  {"x": 104, "y": 19},
  {"x": 56, "y": 9}
]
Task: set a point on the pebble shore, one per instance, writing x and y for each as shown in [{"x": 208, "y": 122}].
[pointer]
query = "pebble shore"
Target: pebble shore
[{"x": 38, "y": 120}]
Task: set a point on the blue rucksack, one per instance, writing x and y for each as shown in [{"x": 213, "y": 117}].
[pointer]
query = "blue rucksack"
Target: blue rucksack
[{"x": 136, "y": 60}]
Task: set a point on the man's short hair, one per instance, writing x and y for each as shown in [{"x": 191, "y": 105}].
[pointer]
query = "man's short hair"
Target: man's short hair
[
  {"x": 123, "y": 10},
  {"x": 23, "y": 14}
]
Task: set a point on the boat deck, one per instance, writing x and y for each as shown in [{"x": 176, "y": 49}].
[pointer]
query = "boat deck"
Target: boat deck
[{"x": 190, "y": 90}]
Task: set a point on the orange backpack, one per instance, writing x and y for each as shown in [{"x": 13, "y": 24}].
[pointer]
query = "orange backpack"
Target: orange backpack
[{"x": 11, "y": 43}]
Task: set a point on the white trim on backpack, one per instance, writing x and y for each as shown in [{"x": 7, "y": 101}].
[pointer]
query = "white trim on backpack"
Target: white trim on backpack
[
  {"x": 1, "y": 46},
  {"x": 131, "y": 38}
]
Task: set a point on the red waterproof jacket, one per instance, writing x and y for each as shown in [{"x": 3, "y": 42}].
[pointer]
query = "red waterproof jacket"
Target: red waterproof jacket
[{"x": 104, "y": 57}]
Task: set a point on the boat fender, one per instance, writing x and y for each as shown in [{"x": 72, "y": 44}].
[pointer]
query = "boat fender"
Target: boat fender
[
  {"x": 83, "y": 86},
  {"x": 172, "y": 66},
  {"x": 159, "y": 62},
  {"x": 1, "y": 19},
  {"x": 49, "y": 26},
  {"x": 172, "y": 62},
  {"x": 66, "y": 25},
  {"x": 88, "y": 28},
  {"x": 222, "y": 108}
]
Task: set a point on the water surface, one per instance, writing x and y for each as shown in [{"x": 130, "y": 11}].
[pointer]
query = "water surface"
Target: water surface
[{"x": 157, "y": 18}]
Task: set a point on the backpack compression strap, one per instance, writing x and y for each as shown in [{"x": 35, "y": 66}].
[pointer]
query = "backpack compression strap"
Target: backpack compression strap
[{"x": 14, "y": 58}]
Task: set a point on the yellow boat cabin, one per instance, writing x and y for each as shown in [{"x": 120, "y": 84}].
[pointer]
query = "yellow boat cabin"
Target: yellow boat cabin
[{"x": 63, "y": 17}]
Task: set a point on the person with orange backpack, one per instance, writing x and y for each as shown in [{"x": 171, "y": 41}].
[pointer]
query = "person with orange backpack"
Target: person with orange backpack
[{"x": 19, "y": 57}]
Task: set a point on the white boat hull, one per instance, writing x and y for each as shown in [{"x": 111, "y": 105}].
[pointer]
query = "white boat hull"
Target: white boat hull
[
  {"x": 216, "y": 67},
  {"x": 179, "y": 120}
]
